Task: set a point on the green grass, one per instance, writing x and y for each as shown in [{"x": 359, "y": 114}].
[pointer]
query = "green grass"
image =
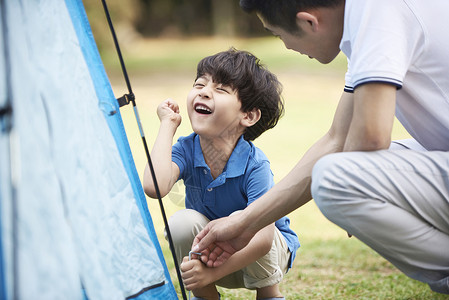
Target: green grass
[
  {"x": 329, "y": 265},
  {"x": 165, "y": 55}
]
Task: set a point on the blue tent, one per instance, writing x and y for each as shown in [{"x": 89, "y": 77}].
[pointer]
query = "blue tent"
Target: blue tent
[{"x": 74, "y": 218}]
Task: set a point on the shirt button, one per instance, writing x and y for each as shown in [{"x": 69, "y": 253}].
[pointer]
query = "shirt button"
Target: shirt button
[
  {"x": 209, "y": 189},
  {"x": 205, "y": 172}
]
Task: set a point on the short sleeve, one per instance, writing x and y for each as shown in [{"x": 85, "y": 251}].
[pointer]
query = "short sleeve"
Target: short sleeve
[
  {"x": 179, "y": 157},
  {"x": 380, "y": 42},
  {"x": 260, "y": 180}
]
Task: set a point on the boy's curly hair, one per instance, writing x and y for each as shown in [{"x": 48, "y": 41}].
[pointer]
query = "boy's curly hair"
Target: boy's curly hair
[{"x": 256, "y": 86}]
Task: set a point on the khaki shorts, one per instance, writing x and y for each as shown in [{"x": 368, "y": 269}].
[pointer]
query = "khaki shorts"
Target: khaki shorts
[{"x": 266, "y": 271}]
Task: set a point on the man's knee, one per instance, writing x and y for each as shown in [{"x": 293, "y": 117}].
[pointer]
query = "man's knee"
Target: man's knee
[
  {"x": 322, "y": 174},
  {"x": 327, "y": 180}
]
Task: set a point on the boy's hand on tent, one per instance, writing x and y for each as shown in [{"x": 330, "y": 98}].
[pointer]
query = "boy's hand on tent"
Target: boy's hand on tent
[
  {"x": 168, "y": 111},
  {"x": 195, "y": 274}
]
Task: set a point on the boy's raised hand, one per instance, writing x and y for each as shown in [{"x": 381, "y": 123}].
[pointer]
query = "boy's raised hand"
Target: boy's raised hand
[{"x": 168, "y": 110}]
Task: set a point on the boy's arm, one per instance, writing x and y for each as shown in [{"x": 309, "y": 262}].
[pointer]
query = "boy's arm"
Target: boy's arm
[
  {"x": 197, "y": 275},
  {"x": 166, "y": 171}
]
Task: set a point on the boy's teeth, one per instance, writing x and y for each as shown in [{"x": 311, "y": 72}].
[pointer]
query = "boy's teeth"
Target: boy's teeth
[{"x": 202, "y": 109}]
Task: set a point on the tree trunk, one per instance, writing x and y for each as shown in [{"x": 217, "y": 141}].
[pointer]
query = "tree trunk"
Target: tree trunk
[{"x": 223, "y": 18}]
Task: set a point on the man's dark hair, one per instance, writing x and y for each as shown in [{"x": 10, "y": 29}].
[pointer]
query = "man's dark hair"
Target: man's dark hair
[
  {"x": 282, "y": 13},
  {"x": 256, "y": 86}
]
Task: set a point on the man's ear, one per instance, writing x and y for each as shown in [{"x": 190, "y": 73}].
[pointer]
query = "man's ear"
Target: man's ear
[
  {"x": 307, "y": 21},
  {"x": 251, "y": 117}
]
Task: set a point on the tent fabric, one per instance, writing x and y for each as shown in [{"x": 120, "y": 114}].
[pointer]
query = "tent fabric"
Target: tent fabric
[
  {"x": 4, "y": 153},
  {"x": 83, "y": 226}
]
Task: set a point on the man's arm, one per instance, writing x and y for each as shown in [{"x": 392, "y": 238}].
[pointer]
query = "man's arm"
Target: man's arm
[
  {"x": 196, "y": 275},
  {"x": 372, "y": 122},
  {"x": 362, "y": 122},
  {"x": 166, "y": 171},
  {"x": 290, "y": 193}
]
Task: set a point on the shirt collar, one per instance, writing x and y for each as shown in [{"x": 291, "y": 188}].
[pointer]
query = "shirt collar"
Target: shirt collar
[
  {"x": 199, "y": 161},
  {"x": 237, "y": 162}
]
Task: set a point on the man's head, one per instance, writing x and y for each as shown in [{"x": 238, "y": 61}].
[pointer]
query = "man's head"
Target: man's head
[
  {"x": 310, "y": 27},
  {"x": 282, "y": 13},
  {"x": 256, "y": 87}
]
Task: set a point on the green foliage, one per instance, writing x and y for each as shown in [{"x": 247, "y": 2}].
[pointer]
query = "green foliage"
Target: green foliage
[
  {"x": 123, "y": 15},
  {"x": 135, "y": 19}
]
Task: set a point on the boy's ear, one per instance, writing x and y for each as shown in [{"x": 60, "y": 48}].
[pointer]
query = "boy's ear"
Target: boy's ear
[
  {"x": 251, "y": 117},
  {"x": 307, "y": 21}
]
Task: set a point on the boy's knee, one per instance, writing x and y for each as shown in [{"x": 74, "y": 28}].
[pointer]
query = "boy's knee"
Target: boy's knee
[
  {"x": 236, "y": 212},
  {"x": 186, "y": 224}
]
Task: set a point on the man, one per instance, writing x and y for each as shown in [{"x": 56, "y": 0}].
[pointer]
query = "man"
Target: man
[{"x": 392, "y": 196}]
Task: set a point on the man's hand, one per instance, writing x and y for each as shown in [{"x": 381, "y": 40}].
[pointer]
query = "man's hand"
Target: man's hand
[{"x": 220, "y": 239}]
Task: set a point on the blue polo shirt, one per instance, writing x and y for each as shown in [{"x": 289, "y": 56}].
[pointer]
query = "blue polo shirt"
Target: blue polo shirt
[{"x": 246, "y": 177}]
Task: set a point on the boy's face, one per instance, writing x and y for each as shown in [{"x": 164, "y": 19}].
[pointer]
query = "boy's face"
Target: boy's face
[{"x": 214, "y": 109}]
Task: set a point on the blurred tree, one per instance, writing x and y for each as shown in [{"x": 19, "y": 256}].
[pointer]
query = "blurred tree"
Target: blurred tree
[
  {"x": 124, "y": 15},
  {"x": 186, "y": 18},
  {"x": 172, "y": 18},
  {"x": 223, "y": 17}
]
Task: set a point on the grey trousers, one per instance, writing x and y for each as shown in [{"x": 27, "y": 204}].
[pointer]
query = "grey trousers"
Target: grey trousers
[{"x": 395, "y": 201}]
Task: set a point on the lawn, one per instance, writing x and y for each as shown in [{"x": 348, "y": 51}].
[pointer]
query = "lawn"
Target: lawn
[{"x": 329, "y": 265}]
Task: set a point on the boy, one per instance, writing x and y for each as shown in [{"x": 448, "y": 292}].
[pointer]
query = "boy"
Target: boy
[{"x": 234, "y": 99}]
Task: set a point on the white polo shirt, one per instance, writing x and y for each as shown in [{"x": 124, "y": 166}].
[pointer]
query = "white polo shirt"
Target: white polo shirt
[{"x": 405, "y": 43}]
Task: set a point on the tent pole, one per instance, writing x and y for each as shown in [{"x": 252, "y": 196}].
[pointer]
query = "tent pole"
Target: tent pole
[{"x": 131, "y": 98}]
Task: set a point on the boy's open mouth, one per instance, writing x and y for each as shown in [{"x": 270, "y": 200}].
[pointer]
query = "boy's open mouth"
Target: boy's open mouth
[{"x": 202, "y": 109}]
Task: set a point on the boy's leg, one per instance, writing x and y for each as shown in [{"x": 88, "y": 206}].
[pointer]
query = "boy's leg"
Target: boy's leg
[
  {"x": 267, "y": 272},
  {"x": 397, "y": 202},
  {"x": 184, "y": 226}
]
